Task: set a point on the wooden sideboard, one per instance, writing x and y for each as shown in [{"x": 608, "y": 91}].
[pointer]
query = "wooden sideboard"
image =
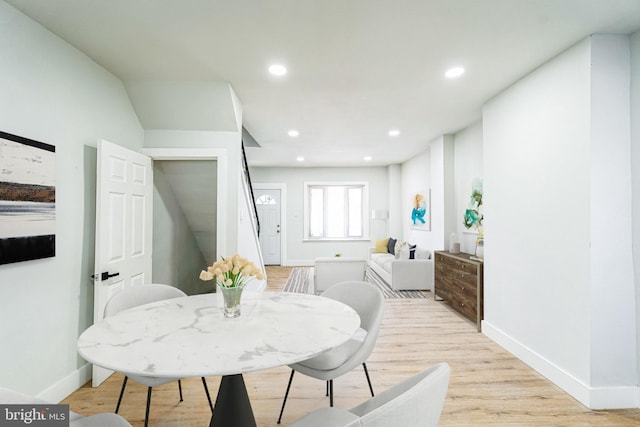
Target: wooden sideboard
[{"x": 458, "y": 282}]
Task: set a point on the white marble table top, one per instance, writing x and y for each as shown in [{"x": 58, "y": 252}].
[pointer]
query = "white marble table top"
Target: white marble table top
[{"x": 189, "y": 337}]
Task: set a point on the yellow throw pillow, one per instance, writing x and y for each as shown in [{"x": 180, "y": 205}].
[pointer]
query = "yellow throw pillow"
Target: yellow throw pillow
[{"x": 381, "y": 246}]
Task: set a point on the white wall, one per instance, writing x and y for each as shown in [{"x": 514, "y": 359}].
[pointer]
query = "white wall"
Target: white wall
[
  {"x": 635, "y": 172},
  {"x": 194, "y": 105},
  {"x": 443, "y": 190},
  {"x": 556, "y": 198},
  {"x": 397, "y": 216},
  {"x": 298, "y": 251},
  {"x": 613, "y": 349},
  {"x": 416, "y": 178},
  {"x": 430, "y": 171},
  {"x": 468, "y": 167},
  {"x": 53, "y": 93}
]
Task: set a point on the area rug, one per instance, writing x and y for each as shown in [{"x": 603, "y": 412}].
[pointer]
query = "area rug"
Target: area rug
[{"x": 301, "y": 280}]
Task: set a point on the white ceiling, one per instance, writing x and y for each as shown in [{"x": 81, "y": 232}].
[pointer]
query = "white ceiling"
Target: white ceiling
[{"x": 356, "y": 68}]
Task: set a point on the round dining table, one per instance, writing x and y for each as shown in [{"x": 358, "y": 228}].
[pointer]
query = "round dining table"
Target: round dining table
[{"x": 190, "y": 337}]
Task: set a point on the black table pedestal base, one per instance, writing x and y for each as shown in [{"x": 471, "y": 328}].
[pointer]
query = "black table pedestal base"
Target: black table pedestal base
[{"x": 232, "y": 408}]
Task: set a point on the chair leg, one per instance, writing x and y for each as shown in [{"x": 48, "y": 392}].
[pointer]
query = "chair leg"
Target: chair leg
[
  {"x": 206, "y": 390},
  {"x": 331, "y": 393},
  {"x": 366, "y": 372},
  {"x": 146, "y": 414},
  {"x": 327, "y": 389},
  {"x": 180, "y": 388},
  {"x": 124, "y": 385},
  {"x": 285, "y": 395}
]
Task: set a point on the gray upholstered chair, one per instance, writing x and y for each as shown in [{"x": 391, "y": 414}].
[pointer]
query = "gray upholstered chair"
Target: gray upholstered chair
[
  {"x": 415, "y": 402},
  {"x": 132, "y": 297},
  {"x": 12, "y": 397},
  {"x": 367, "y": 300}
]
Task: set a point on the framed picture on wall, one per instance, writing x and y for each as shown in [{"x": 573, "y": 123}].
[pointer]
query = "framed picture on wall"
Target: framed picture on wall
[
  {"x": 27, "y": 199},
  {"x": 421, "y": 211}
]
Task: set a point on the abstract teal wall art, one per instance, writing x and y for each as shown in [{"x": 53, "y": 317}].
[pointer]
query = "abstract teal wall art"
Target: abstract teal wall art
[
  {"x": 473, "y": 215},
  {"x": 421, "y": 211}
]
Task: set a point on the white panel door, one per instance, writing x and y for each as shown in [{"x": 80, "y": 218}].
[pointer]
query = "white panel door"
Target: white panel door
[
  {"x": 124, "y": 217},
  {"x": 268, "y": 204}
]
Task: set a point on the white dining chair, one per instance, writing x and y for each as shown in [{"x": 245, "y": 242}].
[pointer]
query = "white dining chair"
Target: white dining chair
[
  {"x": 13, "y": 397},
  {"x": 133, "y": 297},
  {"x": 415, "y": 402},
  {"x": 367, "y": 300}
]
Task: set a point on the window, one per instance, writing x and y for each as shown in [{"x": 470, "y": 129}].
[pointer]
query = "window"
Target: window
[
  {"x": 265, "y": 199},
  {"x": 336, "y": 211}
]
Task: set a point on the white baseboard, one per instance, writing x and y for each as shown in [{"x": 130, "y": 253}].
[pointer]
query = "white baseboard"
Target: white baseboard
[
  {"x": 614, "y": 397},
  {"x": 620, "y": 397},
  {"x": 67, "y": 385}
]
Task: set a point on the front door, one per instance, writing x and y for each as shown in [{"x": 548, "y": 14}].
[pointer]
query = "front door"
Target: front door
[
  {"x": 268, "y": 205},
  {"x": 124, "y": 217}
]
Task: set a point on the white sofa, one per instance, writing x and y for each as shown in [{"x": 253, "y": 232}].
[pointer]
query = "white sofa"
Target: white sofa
[
  {"x": 402, "y": 273},
  {"x": 331, "y": 270}
]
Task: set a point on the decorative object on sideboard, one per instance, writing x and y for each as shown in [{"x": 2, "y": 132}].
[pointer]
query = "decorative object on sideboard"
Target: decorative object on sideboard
[
  {"x": 27, "y": 199},
  {"x": 473, "y": 216},
  {"x": 454, "y": 245},
  {"x": 231, "y": 274},
  {"x": 480, "y": 248}
]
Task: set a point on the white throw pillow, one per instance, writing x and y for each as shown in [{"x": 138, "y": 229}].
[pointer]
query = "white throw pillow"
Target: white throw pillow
[
  {"x": 404, "y": 252},
  {"x": 400, "y": 246},
  {"x": 422, "y": 253}
]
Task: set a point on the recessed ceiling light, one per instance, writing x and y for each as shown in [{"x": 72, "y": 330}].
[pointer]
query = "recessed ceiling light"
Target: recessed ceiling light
[
  {"x": 454, "y": 72},
  {"x": 293, "y": 133},
  {"x": 300, "y": 159},
  {"x": 278, "y": 70},
  {"x": 367, "y": 158},
  {"x": 394, "y": 132}
]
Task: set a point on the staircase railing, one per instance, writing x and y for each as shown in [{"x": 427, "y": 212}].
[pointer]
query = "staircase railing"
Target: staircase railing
[{"x": 247, "y": 178}]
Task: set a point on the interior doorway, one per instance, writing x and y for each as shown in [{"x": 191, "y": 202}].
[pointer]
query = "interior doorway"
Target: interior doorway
[
  {"x": 270, "y": 203},
  {"x": 204, "y": 169},
  {"x": 268, "y": 206},
  {"x": 184, "y": 222}
]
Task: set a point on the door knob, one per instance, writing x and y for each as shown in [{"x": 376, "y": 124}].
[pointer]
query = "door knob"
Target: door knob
[{"x": 104, "y": 276}]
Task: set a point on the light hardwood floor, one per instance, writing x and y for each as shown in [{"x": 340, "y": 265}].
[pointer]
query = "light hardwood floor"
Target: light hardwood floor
[{"x": 488, "y": 385}]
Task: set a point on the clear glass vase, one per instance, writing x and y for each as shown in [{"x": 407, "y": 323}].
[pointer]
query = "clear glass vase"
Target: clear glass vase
[
  {"x": 231, "y": 298},
  {"x": 480, "y": 248}
]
